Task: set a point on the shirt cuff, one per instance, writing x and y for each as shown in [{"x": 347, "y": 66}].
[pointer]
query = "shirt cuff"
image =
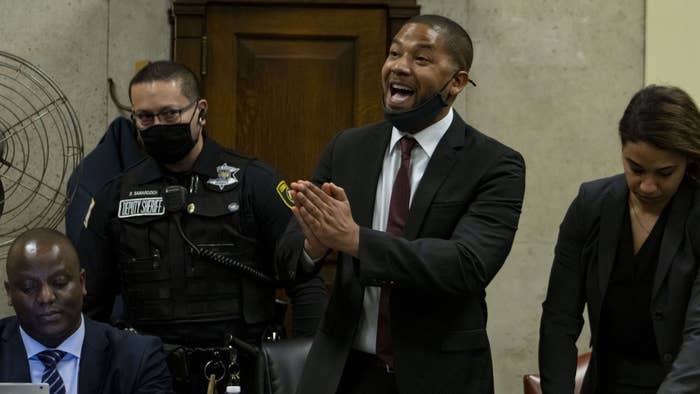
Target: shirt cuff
[{"x": 307, "y": 263}]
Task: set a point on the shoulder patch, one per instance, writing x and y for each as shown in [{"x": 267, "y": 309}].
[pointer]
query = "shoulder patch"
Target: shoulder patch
[
  {"x": 89, "y": 211},
  {"x": 285, "y": 194}
]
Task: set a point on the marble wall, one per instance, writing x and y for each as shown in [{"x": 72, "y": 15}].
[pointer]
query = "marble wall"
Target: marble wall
[
  {"x": 80, "y": 44},
  {"x": 553, "y": 79}
]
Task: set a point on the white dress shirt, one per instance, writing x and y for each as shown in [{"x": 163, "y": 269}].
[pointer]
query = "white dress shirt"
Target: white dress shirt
[
  {"x": 68, "y": 367},
  {"x": 428, "y": 139}
]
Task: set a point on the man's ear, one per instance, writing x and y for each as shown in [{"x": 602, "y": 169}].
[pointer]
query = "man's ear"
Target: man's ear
[
  {"x": 82, "y": 281},
  {"x": 7, "y": 291},
  {"x": 459, "y": 82},
  {"x": 203, "y": 107}
]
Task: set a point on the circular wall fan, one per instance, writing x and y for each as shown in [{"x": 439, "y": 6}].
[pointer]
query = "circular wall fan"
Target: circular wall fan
[{"x": 40, "y": 145}]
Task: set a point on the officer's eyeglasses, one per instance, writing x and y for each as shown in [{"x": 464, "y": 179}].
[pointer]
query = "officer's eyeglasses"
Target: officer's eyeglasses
[{"x": 167, "y": 116}]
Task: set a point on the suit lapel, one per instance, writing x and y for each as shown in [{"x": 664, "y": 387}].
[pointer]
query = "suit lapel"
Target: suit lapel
[
  {"x": 93, "y": 359},
  {"x": 14, "y": 366},
  {"x": 612, "y": 213},
  {"x": 328, "y": 354},
  {"x": 673, "y": 234},
  {"x": 439, "y": 167},
  {"x": 366, "y": 170}
]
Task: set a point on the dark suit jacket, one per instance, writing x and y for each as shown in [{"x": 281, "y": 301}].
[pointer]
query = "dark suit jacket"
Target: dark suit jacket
[
  {"x": 459, "y": 231},
  {"x": 583, "y": 262},
  {"x": 112, "y": 361}
]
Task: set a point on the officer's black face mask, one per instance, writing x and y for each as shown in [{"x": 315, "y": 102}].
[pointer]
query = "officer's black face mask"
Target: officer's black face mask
[
  {"x": 168, "y": 143},
  {"x": 420, "y": 117}
]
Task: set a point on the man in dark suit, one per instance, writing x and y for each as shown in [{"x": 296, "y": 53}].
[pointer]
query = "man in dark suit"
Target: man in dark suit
[
  {"x": 422, "y": 210},
  {"x": 50, "y": 341}
]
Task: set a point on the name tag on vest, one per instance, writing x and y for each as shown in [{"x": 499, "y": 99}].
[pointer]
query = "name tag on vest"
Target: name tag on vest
[{"x": 141, "y": 207}]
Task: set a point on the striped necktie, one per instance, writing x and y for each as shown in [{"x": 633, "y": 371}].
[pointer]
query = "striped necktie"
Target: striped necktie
[{"x": 50, "y": 359}]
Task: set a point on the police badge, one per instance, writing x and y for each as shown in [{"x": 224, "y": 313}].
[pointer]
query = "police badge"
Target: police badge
[{"x": 226, "y": 176}]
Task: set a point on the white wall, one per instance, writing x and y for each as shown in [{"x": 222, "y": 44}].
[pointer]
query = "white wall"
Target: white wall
[{"x": 672, "y": 56}]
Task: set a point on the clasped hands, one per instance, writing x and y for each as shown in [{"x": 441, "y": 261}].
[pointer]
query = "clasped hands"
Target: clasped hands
[{"x": 325, "y": 218}]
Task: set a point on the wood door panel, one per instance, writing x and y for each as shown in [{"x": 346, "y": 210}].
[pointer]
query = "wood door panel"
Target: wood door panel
[
  {"x": 298, "y": 75},
  {"x": 304, "y": 119},
  {"x": 283, "y": 76}
]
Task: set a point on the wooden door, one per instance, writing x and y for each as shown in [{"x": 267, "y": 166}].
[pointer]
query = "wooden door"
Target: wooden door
[
  {"x": 283, "y": 76},
  {"x": 298, "y": 75}
]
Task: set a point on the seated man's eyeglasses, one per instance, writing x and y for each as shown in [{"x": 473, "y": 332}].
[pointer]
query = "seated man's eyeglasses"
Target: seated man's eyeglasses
[{"x": 167, "y": 116}]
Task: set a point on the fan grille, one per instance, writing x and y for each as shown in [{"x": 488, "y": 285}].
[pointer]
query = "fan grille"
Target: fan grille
[{"x": 40, "y": 145}]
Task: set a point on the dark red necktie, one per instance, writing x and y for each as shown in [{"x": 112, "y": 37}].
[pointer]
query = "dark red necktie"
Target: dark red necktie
[{"x": 398, "y": 213}]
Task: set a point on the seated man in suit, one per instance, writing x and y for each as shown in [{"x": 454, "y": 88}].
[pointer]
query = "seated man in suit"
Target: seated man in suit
[
  {"x": 73, "y": 354},
  {"x": 422, "y": 209}
]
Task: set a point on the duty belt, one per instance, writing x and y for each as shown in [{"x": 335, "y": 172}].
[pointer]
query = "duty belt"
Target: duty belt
[{"x": 192, "y": 367}]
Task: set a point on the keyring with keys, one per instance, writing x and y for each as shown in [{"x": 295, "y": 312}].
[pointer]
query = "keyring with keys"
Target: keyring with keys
[
  {"x": 234, "y": 370},
  {"x": 215, "y": 367}
]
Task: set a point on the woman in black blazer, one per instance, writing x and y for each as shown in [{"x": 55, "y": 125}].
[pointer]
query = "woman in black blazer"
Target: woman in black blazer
[{"x": 628, "y": 249}]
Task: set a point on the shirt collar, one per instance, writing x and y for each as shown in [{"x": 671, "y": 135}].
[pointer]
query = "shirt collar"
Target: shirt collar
[
  {"x": 205, "y": 164},
  {"x": 428, "y": 138},
  {"x": 209, "y": 158},
  {"x": 73, "y": 345}
]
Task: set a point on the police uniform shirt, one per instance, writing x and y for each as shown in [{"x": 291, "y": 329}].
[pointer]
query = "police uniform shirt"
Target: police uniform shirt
[{"x": 264, "y": 214}]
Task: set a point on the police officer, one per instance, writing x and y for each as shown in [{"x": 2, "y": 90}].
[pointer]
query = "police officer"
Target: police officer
[{"x": 167, "y": 233}]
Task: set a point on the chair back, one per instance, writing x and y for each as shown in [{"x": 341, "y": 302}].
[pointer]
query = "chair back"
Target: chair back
[
  {"x": 284, "y": 363},
  {"x": 531, "y": 382}
]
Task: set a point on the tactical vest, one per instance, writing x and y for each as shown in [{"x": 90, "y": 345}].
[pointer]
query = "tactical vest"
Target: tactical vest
[{"x": 163, "y": 282}]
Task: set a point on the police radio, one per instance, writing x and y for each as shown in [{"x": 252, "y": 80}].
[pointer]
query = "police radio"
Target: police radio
[{"x": 175, "y": 199}]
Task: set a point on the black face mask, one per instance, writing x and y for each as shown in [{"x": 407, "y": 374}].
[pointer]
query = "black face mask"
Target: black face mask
[
  {"x": 420, "y": 117},
  {"x": 168, "y": 143}
]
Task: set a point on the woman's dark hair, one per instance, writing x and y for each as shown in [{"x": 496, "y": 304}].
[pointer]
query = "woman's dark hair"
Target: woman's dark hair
[{"x": 667, "y": 118}]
